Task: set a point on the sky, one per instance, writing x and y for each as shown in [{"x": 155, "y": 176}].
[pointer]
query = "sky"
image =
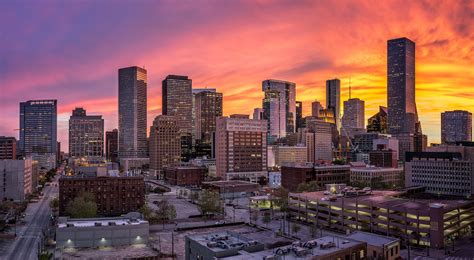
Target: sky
[{"x": 71, "y": 51}]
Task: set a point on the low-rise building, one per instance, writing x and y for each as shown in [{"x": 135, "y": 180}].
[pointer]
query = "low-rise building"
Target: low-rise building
[
  {"x": 232, "y": 189},
  {"x": 377, "y": 177},
  {"x": 293, "y": 175},
  {"x": 185, "y": 175},
  {"x": 7, "y": 148},
  {"x": 378, "y": 246},
  {"x": 274, "y": 179},
  {"x": 383, "y": 158},
  {"x": 15, "y": 179},
  {"x": 279, "y": 155},
  {"x": 129, "y": 229}
]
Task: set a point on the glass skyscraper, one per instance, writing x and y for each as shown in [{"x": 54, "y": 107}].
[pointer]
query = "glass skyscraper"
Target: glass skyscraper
[
  {"x": 333, "y": 98},
  {"x": 132, "y": 112},
  {"x": 456, "y": 126}
]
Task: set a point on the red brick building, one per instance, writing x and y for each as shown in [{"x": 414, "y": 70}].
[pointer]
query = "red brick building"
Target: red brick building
[
  {"x": 114, "y": 195},
  {"x": 293, "y": 175},
  {"x": 185, "y": 175},
  {"x": 7, "y": 148},
  {"x": 383, "y": 158}
]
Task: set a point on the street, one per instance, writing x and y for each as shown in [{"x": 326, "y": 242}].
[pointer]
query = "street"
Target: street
[{"x": 37, "y": 220}]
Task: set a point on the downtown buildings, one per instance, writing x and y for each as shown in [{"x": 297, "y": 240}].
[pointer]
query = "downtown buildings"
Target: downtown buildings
[
  {"x": 333, "y": 99},
  {"x": 353, "y": 119},
  {"x": 38, "y": 131},
  {"x": 7, "y": 148},
  {"x": 86, "y": 134},
  {"x": 111, "y": 145},
  {"x": 208, "y": 106},
  {"x": 456, "y": 126},
  {"x": 165, "y": 144},
  {"x": 16, "y": 179}
]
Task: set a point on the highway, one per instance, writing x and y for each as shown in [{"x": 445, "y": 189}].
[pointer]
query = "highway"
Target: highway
[{"x": 37, "y": 220}]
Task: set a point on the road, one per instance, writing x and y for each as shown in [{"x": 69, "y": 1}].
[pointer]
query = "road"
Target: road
[{"x": 37, "y": 221}]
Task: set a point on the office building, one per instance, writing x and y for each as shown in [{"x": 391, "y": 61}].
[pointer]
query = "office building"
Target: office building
[
  {"x": 287, "y": 154},
  {"x": 86, "y": 134},
  {"x": 279, "y": 108},
  {"x": 294, "y": 174},
  {"x": 241, "y": 148},
  {"x": 377, "y": 177},
  {"x": 7, "y": 148},
  {"x": 114, "y": 196},
  {"x": 299, "y": 115},
  {"x": 378, "y": 122},
  {"x": 132, "y": 112},
  {"x": 165, "y": 144},
  {"x": 15, "y": 179},
  {"x": 185, "y": 175},
  {"x": 421, "y": 222},
  {"x": 383, "y": 158},
  {"x": 257, "y": 114},
  {"x": 333, "y": 98},
  {"x": 354, "y": 115},
  {"x": 38, "y": 131},
  {"x": 208, "y": 106},
  {"x": 319, "y": 141},
  {"x": 111, "y": 145},
  {"x": 129, "y": 229},
  {"x": 177, "y": 101},
  {"x": 456, "y": 126},
  {"x": 316, "y": 107}
]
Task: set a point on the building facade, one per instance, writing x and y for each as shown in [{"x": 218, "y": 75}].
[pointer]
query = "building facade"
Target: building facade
[
  {"x": 354, "y": 114},
  {"x": 38, "y": 131},
  {"x": 165, "y": 144},
  {"x": 378, "y": 122},
  {"x": 86, "y": 134},
  {"x": 241, "y": 148},
  {"x": 333, "y": 98},
  {"x": 299, "y": 115},
  {"x": 7, "y": 148},
  {"x": 208, "y": 106},
  {"x": 15, "y": 179},
  {"x": 377, "y": 177},
  {"x": 319, "y": 141},
  {"x": 114, "y": 196},
  {"x": 293, "y": 175},
  {"x": 279, "y": 107},
  {"x": 111, "y": 145},
  {"x": 132, "y": 112},
  {"x": 456, "y": 126},
  {"x": 290, "y": 154},
  {"x": 257, "y": 114},
  {"x": 185, "y": 175}
]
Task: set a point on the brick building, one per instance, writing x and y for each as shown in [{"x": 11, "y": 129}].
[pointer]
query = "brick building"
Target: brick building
[
  {"x": 7, "y": 148},
  {"x": 114, "y": 195},
  {"x": 383, "y": 158},
  {"x": 293, "y": 175},
  {"x": 184, "y": 175}
]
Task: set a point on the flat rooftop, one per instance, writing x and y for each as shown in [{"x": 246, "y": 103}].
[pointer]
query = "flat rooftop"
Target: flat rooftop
[
  {"x": 228, "y": 183},
  {"x": 81, "y": 223},
  {"x": 340, "y": 243},
  {"x": 385, "y": 199},
  {"x": 229, "y": 238},
  {"x": 373, "y": 239}
]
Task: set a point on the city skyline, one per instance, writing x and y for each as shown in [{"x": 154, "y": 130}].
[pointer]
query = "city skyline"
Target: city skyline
[{"x": 442, "y": 59}]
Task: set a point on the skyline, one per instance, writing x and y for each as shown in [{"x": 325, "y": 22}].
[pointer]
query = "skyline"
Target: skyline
[{"x": 219, "y": 46}]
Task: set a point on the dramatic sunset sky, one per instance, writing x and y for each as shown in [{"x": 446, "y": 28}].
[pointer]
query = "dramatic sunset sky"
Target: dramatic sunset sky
[{"x": 71, "y": 51}]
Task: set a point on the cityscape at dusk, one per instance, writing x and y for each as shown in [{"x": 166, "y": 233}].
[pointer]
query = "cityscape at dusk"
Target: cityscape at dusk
[{"x": 232, "y": 130}]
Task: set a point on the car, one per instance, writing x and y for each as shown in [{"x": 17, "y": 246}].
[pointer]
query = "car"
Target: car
[{"x": 327, "y": 193}]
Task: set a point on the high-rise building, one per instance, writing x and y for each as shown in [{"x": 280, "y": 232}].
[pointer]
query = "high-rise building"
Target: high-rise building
[
  {"x": 38, "y": 131},
  {"x": 208, "y": 106},
  {"x": 165, "y": 144},
  {"x": 257, "y": 114},
  {"x": 333, "y": 98},
  {"x": 132, "y": 112},
  {"x": 319, "y": 141},
  {"x": 177, "y": 101},
  {"x": 15, "y": 178},
  {"x": 402, "y": 113},
  {"x": 194, "y": 92},
  {"x": 354, "y": 115},
  {"x": 7, "y": 148},
  {"x": 299, "y": 115},
  {"x": 316, "y": 108},
  {"x": 241, "y": 148},
  {"x": 456, "y": 126},
  {"x": 111, "y": 145},
  {"x": 378, "y": 122},
  {"x": 279, "y": 108},
  {"x": 86, "y": 134}
]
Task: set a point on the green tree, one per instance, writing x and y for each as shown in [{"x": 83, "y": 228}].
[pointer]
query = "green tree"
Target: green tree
[
  {"x": 83, "y": 206},
  {"x": 146, "y": 211},
  {"x": 209, "y": 202},
  {"x": 166, "y": 212},
  {"x": 54, "y": 204},
  {"x": 194, "y": 196},
  {"x": 280, "y": 198}
]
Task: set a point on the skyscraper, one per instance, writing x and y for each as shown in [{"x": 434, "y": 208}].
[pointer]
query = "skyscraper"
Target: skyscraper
[
  {"x": 354, "y": 114},
  {"x": 279, "y": 107},
  {"x": 333, "y": 98},
  {"x": 316, "y": 108},
  {"x": 165, "y": 144},
  {"x": 378, "y": 122},
  {"x": 299, "y": 115},
  {"x": 208, "y": 106},
  {"x": 257, "y": 114},
  {"x": 456, "y": 126},
  {"x": 132, "y": 112},
  {"x": 111, "y": 145},
  {"x": 177, "y": 101},
  {"x": 402, "y": 113},
  {"x": 319, "y": 140},
  {"x": 86, "y": 134},
  {"x": 38, "y": 131}
]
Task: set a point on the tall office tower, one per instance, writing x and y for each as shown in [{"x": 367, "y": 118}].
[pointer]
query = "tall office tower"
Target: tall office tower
[
  {"x": 177, "y": 101},
  {"x": 316, "y": 108},
  {"x": 38, "y": 131},
  {"x": 257, "y": 114},
  {"x": 354, "y": 115},
  {"x": 299, "y": 115},
  {"x": 86, "y": 134},
  {"x": 208, "y": 106},
  {"x": 279, "y": 108},
  {"x": 132, "y": 112},
  {"x": 241, "y": 148},
  {"x": 456, "y": 126},
  {"x": 111, "y": 145},
  {"x": 7, "y": 148},
  {"x": 194, "y": 92},
  {"x": 319, "y": 141},
  {"x": 378, "y": 122},
  {"x": 165, "y": 143},
  {"x": 333, "y": 98},
  {"x": 402, "y": 113}
]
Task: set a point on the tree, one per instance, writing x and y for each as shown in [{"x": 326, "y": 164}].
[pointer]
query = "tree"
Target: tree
[
  {"x": 266, "y": 218},
  {"x": 194, "y": 196},
  {"x": 146, "y": 211},
  {"x": 209, "y": 202},
  {"x": 54, "y": 204},
  {"x": 83, "y": 206},
  {"x": 166, "y": 212},
  {"x": 295, "y": 228}
]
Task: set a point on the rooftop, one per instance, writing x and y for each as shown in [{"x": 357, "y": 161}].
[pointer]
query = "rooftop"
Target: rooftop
[
  {"x": 223, "y": 241},
  {"x": 373, "y": 239},
  {"x": 228, "y": 183},
  {"x": 92, "y": 222}
]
